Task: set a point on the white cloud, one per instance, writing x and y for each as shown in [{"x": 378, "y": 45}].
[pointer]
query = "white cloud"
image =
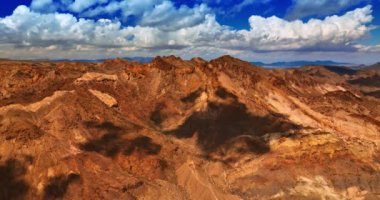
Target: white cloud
[
  {"x": 303, "y": 8},
  {"x": 246, "y": 3},
  {"x": 336, "y": 32},
  {"x": 80, "y": 5},
  {"x": 158, "y": 13},
  {"x": 28, "y": 28},
  {"x": 65, "y": 34},
  {"x": 163, "y": 14},
  {"x": 370, "y": 48},
  {"x": 43, "y": 5},
  {"x": 126, "y": 8}
]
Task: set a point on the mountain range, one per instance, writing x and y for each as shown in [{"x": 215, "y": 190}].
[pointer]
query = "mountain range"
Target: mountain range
[
  {"x": 300, "y": 64},
  {"x": 179, "y": 129}
]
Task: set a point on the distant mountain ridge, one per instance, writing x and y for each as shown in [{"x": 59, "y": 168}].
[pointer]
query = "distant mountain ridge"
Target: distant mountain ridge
[
  {"x": 299, "y": 63},
  {"x": 375, "y": 67},
  {"x": 282, "y": 64},
  {"x": 137, "y": 59}
]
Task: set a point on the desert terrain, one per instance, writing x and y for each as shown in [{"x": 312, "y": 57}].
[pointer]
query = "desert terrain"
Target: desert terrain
[{"x": 177, "y": 129}]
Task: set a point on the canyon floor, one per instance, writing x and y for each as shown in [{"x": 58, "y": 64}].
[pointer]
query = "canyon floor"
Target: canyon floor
[{"x": 177, "y": 129}]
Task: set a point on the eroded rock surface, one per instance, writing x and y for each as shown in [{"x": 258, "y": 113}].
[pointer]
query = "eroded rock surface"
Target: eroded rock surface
[{"x": 175, "y": 129}]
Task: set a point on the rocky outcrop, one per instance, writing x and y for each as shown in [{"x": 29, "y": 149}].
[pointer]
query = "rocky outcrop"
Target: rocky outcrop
[
  {"x": 92, "y": 76},
  {"x": 105, "y": 98}
]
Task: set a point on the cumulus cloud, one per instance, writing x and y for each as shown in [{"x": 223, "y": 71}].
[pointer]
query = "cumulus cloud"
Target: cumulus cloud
[
  {"x": 157, "y": 13},
  {"x": 163, "y": 14},
  {"x": 334, "y": 32},
  {"x": 126, "y": 8},
  {"x": 55, "y": 32},
  {"x": 26, "y": 28},
  {"x": 303, "y": 8}
]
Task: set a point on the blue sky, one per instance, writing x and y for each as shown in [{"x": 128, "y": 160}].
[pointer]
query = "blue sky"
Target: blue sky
[{"x": 266, "y": 30}]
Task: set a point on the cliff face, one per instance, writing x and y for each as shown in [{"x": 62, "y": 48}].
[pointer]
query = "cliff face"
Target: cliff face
[{"x": 175, "y": 129}]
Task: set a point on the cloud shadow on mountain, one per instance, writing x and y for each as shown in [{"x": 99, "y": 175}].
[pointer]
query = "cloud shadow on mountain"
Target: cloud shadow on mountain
[
  {"x": 112, "y": 141},
  {"x": 222, "y": 123},
  {"x": 12, "y": 183}
]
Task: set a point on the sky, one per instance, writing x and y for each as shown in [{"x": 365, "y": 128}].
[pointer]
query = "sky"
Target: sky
[{"x": 253, "y": 30}]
